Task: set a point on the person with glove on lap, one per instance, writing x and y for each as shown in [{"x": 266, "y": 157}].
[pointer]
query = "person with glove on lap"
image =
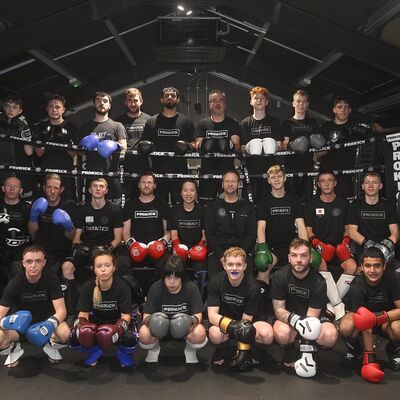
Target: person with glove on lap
[
  {"x": 375, "y": 310},
  {"x": 173, "y": 309},
  {"x": 298, "y": 296},
  {"x": 104, "y": 314},
  {"x": 233, "y": 301},
  {"x": 38, "y": 310}
]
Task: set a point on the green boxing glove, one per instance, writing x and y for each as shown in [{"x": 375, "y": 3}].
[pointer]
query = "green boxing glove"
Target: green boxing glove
[
  {"x": 263, "y": 257},
  {"x": 316, "y": 259}
]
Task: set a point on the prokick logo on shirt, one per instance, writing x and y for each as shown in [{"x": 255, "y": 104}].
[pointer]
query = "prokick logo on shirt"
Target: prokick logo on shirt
[
  {"x": 175, "y": 308},
  {"x": 188, "y": 223},
  {"x": 107, "y": 305},
  {"x": 216, "y": 134},
  {"x": 262, "y": 130},
  {"x": 299, "y": 291},
  {"x": 146, "y": 214},
  {"x": 34, "y": 296},
  {"x": 281, "y": 210},
  {"x": 373, "y": 214},
  {"x": 232, "y": 299},
  {"x": 169, "y": 132}
]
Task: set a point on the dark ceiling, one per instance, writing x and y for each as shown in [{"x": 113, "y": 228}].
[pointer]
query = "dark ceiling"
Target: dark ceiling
[{"x": 328, "y": 47}]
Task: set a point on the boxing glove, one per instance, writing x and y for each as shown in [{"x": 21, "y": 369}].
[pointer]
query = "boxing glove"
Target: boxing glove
[
  {"x": 85, "y": 332},
  {"x": 306, "y": 366},
  {"x": 89, "y": 142},
  {"x": 109, "y": 334},
  {"x": 156, "y": 248},
  {"x": 327, "y": 251},
  {"x": 181, "y": 324},
  {"x": 225, "y": 146},
  {"x": 300, "y": 145},
  {"x": 107, "y": 147},
  {"x": 180, "y": 250},
  {"x": 364, "y": 319},
  {"x": 343, "y": 249},
  {"x": 270, "y": 146},
  {"x": 40, "y": 333},
  {"x": 62, "y": 218},
  {"x": 19, "y": 321},
  {"x": 145, "y": 147},
  {"x": 254, "y": 147},
  {"x": 243, "y": 359},
  {"x": 370, "y": 369},
  {"x": 317, "y": 141},
  {"x": 39, "y": 207},
  {"x": 386, "y": 246},
  {"x": 198, "y": 252},
  {"x": 208, "y": 145},
  {"x": 263, "y": 257},
  {"x": 137, "y": 250},
  {"x": 367, "y": 243},
  {"x": 182, "y": 147},
  {"x": 309, "y": 328},
  {"x": 316, "y": 259},
  {"x": 158, "y": 324},
  {"x": 243, "y": 331}
]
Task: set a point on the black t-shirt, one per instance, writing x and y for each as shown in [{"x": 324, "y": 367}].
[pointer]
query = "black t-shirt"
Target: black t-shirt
[
  {"x": 114, "y": 302},
  {"x": 146, "y": 219},
  {"x": 233, "y": 301},
  {"x": 295, "y": 128},
  {"x": 164, "y": 132},
  {"x": 189, "y": 224},
  {"x": 376, "y": 298},
  {"x": 37, "y": 298},
  {"x": 14, "y": 235},
  {"x": 110, "y": 130},
  {"x": 65, "y": 133},
  {"x": 11, "y": 151},
  {"x": 327, "y": 220},
  {"x": 280, "y": 215},
  {"x": 134, "y": 131},
  {"x": 373, "y": 220},
  {"x": 336, "y": 134},
  {"x": 187, "y": 300},
  {"x": 207, "y": 128},
  {"x": 98, "y": 224},
  {"x": 251, "y": 128},
  {"x": 299, "y": 294},
  {"x": 52, "y": 237}
]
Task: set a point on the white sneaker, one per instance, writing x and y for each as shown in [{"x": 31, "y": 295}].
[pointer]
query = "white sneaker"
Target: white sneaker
[
  {"x": 14, "y": 352},
  {"x": 52, "y": 350}
]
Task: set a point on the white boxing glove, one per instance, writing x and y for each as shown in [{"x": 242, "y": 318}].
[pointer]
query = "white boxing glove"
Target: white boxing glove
[
  {"x": 309, "y": 328},
  {"x": 270, "y": 146},
  {"x": 254, "y": 147},
  {"x": 305, "y": 366}
]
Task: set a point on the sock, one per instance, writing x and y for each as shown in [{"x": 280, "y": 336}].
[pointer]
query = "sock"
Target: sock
[
  {"x": 153, "y": 351},
  {"x": 331, "y": 288},
  {"x": 343, "y": 284},
  {"x": 191, "y": 350}
]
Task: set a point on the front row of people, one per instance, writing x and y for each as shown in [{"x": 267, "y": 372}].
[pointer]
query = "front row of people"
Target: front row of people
[{"x": 32, "y": 309}]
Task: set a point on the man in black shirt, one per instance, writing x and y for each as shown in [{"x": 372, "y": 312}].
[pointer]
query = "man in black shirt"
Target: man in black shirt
[
  {"x": 134, "y": 121},
  {"x": 57, "y": 130},
  {"x": 218, "y": 128},
  {"x": 104, "y": 128},
  {"x": 298, "y": 297},
  {"x": 14, "y": 235},
  {"x": 375, "y": 309},
  {"x": 232, "y": 303},
  {"x": 165, "y": 130},
  {"x": 38, "y": 305},
  {"x": 230, "y": 221}
]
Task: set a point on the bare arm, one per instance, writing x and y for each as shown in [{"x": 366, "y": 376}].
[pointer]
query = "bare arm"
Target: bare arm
[
  {"x": 126, "y": 230},
  {"x": 355, "y": 235},
  {"x": 280, "y": 310},
  {"x": 60, "y": 310},
  {"x": 117, "y": 237},
  {"x": 301, "y": 228},
  {"x": 261, "y": 225},
  {"x": 394, "y": 233}
]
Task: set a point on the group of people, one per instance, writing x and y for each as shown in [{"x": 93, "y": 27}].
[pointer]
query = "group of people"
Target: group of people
[{"x": 293, "y": 266}]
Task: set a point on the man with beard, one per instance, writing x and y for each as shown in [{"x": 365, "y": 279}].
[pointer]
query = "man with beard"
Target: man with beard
[
  {"x": 134, "y": 121},
  {"x": 102, "y": 128},
  {"x": 216, "y": 133},
  {"x": 169, "y": 130},
  {"x": 57, "y": 130}
]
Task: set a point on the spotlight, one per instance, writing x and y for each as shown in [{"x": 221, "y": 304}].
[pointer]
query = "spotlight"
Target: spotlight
[
  {"x": 189, "y": 12},
  {"x": 181, "y": 8}
]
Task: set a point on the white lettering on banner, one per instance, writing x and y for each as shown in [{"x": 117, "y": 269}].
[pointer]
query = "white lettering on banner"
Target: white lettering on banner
[
  {"x": 394, "y": 139},
  {"x": 396, "y": 155}
]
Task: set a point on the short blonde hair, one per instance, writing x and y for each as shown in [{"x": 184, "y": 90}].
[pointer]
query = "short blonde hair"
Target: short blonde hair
[
  {"x": 234, "y": 252},
  {"x": 275, "y": 169},
  {"x": 133, "y": 92}
]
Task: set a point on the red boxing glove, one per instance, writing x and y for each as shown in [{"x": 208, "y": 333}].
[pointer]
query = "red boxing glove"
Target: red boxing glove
[
  {"x": 365, "y": 319},
  {"x": 370, "y": 370},
  {"x": 137, "y": 250},
  {"x": 343, "y": 249},
  {"x": 327, "y": 251},
  {"x": 180, "y": 250},
  {"x": 198, "y": 252},
  {"x": 156, "y": 249},
  {"x": 85, "y": 332}
]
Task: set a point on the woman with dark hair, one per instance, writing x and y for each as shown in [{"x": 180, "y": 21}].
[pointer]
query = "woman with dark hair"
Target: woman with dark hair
[
  {"x": 104, "y": 314},
  {"x": 173, "y": 307},
  {"x": 186, "y": 224}
]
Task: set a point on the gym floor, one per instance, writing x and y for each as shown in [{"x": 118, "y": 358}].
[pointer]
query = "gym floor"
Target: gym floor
[{"x": 36, "y": 378}]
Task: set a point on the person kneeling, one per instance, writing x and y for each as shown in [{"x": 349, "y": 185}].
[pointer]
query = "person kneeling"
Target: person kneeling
[{"x": 173, "y": 306}]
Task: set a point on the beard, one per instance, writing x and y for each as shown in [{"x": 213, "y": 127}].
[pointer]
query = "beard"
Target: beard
[
  {"x": 170, "y": 105},
  {"x": 100, "y": 112}
]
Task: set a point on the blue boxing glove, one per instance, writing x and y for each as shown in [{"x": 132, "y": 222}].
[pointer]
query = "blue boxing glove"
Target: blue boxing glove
[
  {"x": 40, "y": 333},
  {"x": 39, "y": 207},
  {"x": 61, "y": 217},
  {"x": 18, "y": 321},
  {"x": 107, "y": 147},
  {"x": 89, "y": 142}
]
